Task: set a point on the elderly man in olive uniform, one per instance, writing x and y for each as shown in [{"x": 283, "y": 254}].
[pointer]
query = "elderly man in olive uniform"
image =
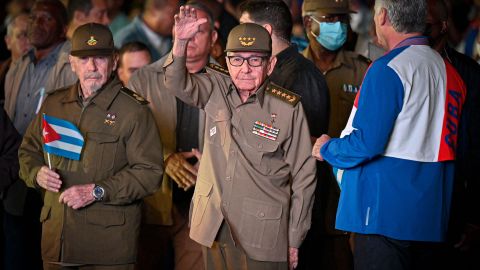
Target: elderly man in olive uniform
[
  {"x": 253, "y": 196},
  {"x": 326, "y": 23},
  {"x": 91, "y": 215}
]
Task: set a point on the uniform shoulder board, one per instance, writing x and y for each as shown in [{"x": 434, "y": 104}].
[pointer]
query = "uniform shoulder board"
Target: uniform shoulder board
[
  {"x": 282, "y": 94},
  {"x": 139, "y": 99},
  {"x": 218, "y": 69},
  {"x": 364, "y": 59}
]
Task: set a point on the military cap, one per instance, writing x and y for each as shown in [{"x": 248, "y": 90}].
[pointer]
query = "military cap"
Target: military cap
[
  {"x": 249, "y": 37},
  {"x": 92, "y": 39},
  {"x": 327, "y": 6}
]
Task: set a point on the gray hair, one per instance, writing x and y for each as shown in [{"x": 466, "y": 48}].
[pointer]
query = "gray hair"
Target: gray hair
[
  {"x": 11, "y": 22},
  {"x": 406, "y": 16}
]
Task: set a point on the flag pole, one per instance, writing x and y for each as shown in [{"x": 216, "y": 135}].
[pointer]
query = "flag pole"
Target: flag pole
[
  {"x": 49, "y": 162},
  {"x": 48, "y": 154}
]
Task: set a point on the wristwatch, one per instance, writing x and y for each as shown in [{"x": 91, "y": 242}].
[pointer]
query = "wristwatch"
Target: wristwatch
[{"x": 98, "y": 193}]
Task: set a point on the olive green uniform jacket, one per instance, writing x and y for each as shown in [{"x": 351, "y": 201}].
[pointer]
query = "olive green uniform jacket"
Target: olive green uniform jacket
[
  {"x": 261, "y": 187},
  {"x": 343, "y": 80},
  {"x": 123, "y": 154}
]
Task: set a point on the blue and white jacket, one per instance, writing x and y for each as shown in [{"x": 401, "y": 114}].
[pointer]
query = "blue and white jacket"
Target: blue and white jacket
[{"x": 396, "y": 152}]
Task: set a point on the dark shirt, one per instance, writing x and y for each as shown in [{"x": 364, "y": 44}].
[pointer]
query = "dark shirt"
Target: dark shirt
[
  {"x": 4, "y": 66},
  {"x": 468, "y": 149},
  {"x": 9, "y": 142},
  {"x": 298, "y": 74},
  {"x": 187, "y": 138}
]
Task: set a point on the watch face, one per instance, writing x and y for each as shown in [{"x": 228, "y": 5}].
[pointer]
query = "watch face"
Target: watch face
[{"x": 98, "y": 192}]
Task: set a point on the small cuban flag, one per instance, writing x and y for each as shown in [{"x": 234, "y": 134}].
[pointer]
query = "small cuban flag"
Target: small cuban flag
[{"x": 61, "y": 138}]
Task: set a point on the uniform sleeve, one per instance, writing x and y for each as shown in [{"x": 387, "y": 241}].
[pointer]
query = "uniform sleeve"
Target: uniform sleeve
[
  {"x": 303, "y": 168},
  {"x": 9, "y": 142},
  {"x": 380, "y": 102},
  {"x": 143, "y": 174},
  {"x": 31, "y": 152},
  {"x": 193, "y": 89}
]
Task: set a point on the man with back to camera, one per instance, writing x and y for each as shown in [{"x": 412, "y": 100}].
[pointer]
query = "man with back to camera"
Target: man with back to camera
[
  {"x": 464, "y": 228},
  {"x": 252, "y": 202},
  {"x": 396, "y": 155},
  {"x": 92, "y": 203},
  {"x": 165, "y": 226}
]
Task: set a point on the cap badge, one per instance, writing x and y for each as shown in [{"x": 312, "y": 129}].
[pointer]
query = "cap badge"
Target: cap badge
[
  {"x": 246, "y": 41},
  {"x": 92, "y": 41}
]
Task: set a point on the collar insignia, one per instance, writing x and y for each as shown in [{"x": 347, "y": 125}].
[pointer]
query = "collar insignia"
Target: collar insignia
[{"x": 110, "y": 119}]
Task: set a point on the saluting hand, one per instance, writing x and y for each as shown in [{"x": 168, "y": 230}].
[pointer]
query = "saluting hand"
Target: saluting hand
[
  {"x": 180, "y": 170},
  {"x": 77, "y": 196},
  {"x": 48, "y": 179},
  {"x": 318, "y": 145},
  {"x": 186, "y": 23}
]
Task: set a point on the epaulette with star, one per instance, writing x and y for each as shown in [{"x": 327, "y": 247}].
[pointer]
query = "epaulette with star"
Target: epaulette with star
[
  {"x": 218, "y": 69},
  {"x": 282, "y": 94},
  {"x": 139, "y": 99}
]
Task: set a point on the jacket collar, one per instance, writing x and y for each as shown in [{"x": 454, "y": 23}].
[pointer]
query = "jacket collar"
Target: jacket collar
[{"x": 103, "y": 99}]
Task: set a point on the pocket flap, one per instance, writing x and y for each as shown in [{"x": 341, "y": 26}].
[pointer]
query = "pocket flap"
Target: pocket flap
[
  {"x": 261, "y": 144},
  {"x": 105, "y": 218},
  {"x": 261, "y": 210},
  {"x": 102, "y": 137},
  {"x": 45, "y": 214},
  {"x": 217, "y": 114},
  {"x": 203, "y": 188}
]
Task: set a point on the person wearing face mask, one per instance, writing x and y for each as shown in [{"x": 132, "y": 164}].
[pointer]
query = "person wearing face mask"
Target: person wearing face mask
[{"x": 326, "y": 23}]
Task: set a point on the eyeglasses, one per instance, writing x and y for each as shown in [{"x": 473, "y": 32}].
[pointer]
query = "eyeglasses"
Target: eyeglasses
[{"x": 253, "y": 61}]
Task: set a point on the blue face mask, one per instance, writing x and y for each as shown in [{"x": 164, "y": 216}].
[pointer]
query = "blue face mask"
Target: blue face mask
[{"x": 332, "y": 35}]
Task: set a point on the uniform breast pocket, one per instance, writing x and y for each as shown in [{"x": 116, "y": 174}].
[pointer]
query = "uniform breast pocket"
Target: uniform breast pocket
[
  {"x": 263, "y": 153},
  {"x": 100, "y": 151},
  {"x": 217, "y": 124},
  {"x": 260, "y": 223}
]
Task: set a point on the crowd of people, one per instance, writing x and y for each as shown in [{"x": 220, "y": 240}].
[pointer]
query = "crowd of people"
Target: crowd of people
[{"x": 240, "y": 134}]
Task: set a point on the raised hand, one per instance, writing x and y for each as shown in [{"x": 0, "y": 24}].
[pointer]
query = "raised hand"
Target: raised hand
[{"x": 187, "y": 23}]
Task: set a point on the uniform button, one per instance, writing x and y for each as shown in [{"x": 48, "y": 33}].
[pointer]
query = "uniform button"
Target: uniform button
[
  {"x": 260, "y": 145},
  {"x": 224, "y": 204},
  {"x": 261, "y": 214},
  {"x": 234, "y": 132},
  {"x": 238, "y": 110},
  {"x": 228, "y": 178}
]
